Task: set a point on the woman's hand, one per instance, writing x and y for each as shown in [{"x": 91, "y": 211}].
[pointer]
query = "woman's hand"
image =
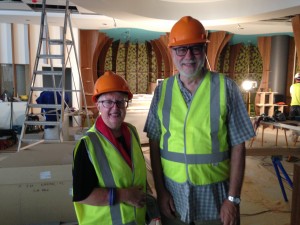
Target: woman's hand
[{"x": 134, "y": 196}]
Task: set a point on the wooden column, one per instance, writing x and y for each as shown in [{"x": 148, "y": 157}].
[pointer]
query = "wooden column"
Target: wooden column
[
  {"x": 160, "y": 47},
  {"x": 91, "y": 44},
  {"x": 264, "y": 46},
  {"x": 295, "y": 215},
  {"x": 170, "y": 70},
  {"x": 114, "y": 54},
  {"x": 296, "y": 30},
  {"x": 102, "y": 55},
  {"x": 158, "y": 58},
  {"x": 290, "y": 73},
  {"x": 217, "y": 41}
]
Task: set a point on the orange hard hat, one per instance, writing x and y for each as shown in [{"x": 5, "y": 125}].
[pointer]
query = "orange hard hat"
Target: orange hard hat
[
  {"x": 187, "y": 31},
  {"x": 110, "y": 82}
]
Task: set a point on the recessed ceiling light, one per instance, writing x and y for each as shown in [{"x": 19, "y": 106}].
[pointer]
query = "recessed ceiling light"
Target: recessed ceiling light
[{"x": 239, "y": 27}]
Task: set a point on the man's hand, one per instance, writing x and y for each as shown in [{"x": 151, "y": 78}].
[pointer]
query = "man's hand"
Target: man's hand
[
  {"x": 229, "y": 213},
  {"x": 166, "y": 204}
]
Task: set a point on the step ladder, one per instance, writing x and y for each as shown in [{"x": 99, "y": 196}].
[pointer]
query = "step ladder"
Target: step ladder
[{"x": 38, "y": 113}]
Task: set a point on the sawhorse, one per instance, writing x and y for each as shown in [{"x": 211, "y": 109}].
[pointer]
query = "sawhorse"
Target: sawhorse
[{"x": 276, "y": 160}]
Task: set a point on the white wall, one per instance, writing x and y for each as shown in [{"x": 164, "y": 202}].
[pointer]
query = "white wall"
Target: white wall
[
  {"x": 20, "y": 42},
  {"x": 25, "y": 39},
  {"x": 5, "y": 43}
]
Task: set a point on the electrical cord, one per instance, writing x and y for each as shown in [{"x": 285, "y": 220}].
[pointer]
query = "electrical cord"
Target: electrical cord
[{"x": 265, "y": 211}]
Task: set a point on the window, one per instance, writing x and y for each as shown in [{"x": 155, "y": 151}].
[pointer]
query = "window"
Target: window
[{"x": 14, "y": 85}]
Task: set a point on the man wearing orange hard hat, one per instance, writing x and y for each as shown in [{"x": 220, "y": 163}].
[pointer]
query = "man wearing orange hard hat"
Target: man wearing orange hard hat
[
  {"x": 197, "y": 127},
  {"x": 109, "y": 172}
]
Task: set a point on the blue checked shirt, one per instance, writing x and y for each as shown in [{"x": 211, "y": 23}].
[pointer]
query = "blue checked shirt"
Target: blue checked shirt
[{"x": 203, "y": 203}]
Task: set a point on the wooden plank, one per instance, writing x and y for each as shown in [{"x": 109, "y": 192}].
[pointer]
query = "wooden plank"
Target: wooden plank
[
  {"x": 296, "y": 31},
  {"x": 268, "y": 151},
  {"x": 295, "y": 215},
  {"x": 282, "y": 125}
]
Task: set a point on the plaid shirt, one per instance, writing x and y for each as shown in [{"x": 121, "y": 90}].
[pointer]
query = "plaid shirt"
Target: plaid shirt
[{"x": 203, "y": 203}]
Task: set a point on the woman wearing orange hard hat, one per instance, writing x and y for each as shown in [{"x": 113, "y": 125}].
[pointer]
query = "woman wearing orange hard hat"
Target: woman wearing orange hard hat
[{"x": 109, "y": 172}]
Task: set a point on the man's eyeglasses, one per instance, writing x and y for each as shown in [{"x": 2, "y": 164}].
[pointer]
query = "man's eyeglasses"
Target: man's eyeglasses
[
  {"x": 109, "y": 104},
  {"x": 195, "y": 49}
]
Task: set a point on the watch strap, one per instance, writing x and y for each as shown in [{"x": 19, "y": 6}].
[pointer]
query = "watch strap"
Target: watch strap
[{"x": 234, "y": 199}]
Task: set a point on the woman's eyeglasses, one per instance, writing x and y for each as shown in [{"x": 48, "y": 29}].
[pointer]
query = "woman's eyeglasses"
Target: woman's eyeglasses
[{"x": 109, "y": 103}]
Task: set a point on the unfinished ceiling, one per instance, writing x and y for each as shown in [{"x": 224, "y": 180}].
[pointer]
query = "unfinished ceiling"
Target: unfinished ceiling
[{"x": 240, "y": 17}]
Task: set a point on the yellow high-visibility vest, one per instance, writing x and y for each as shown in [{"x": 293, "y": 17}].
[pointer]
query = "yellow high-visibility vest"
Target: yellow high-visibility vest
[
  {"x": 113, "y": 171},
  {"x": 193, "y": 142},
  {"x": 295, "y": 94}
]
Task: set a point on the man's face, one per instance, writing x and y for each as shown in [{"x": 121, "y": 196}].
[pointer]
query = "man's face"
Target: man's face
[{"x": 189, "y": 59}]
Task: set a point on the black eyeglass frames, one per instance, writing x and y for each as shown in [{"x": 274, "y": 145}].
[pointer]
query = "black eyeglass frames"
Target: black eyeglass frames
[
  {"x": 195, "y": 49},
  {"x": 109, "y": 103}
]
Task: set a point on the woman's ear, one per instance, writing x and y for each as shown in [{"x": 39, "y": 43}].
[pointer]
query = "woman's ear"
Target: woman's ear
[{"x": 98, "y": 105}]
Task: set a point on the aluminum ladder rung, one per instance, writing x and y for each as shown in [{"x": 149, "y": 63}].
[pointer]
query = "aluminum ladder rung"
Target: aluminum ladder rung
[
  {"x": 40, "y": 123},
  {"x": 46, "y": 56},
  {"x": 48, "y": 73},
  {"x": 27, "y": 140},
  {"x": 32, "y": 142},
  {"x": 46, "y": 89},
  {"x": 49, "y": 106},
  {"x": 58, "y": 41}
]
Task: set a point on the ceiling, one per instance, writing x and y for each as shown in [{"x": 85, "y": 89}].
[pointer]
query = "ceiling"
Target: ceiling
[{"x": 140, "y": 20}]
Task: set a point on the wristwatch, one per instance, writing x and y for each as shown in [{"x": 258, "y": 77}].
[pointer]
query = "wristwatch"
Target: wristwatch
[{"x": 234, "y": 199}]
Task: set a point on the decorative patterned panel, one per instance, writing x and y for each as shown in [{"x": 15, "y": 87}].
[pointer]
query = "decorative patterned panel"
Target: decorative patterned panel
[
  {"x": 142, "y": 68},
  {"x": 142, "y": 65},
  {"x": 120, "y": 65},
  {"x": 248, "y": 65},
  {"x": 153, "y": 74},
  {"x": 226, "y": 59},
  {"x": 142, "y": 83},
  {"x": 131, "y": 58},
  {"x": 131, "y": 79},
  {"x": 108, "y": 60},
  {"x": 135, "y": 66},
  {"x": 223, "y": 61},
  {"x": 131, "y": 67}
]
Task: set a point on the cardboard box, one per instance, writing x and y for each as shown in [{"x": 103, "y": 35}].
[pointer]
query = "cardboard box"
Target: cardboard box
[{"x": 36, "y": 185}]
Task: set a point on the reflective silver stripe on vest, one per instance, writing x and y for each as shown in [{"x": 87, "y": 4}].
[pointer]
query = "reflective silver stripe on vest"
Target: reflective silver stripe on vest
[
  {"x": 216, "y": 155},
  {"x": 194, "y": 158},
  {"x": 214, "y": 110},
  {"x": 107, "y": 177},
  {"x": 167, "y": 109}
]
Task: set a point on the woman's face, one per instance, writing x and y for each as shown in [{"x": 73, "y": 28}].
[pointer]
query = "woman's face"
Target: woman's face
[{"x": 112, "y": 107}]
